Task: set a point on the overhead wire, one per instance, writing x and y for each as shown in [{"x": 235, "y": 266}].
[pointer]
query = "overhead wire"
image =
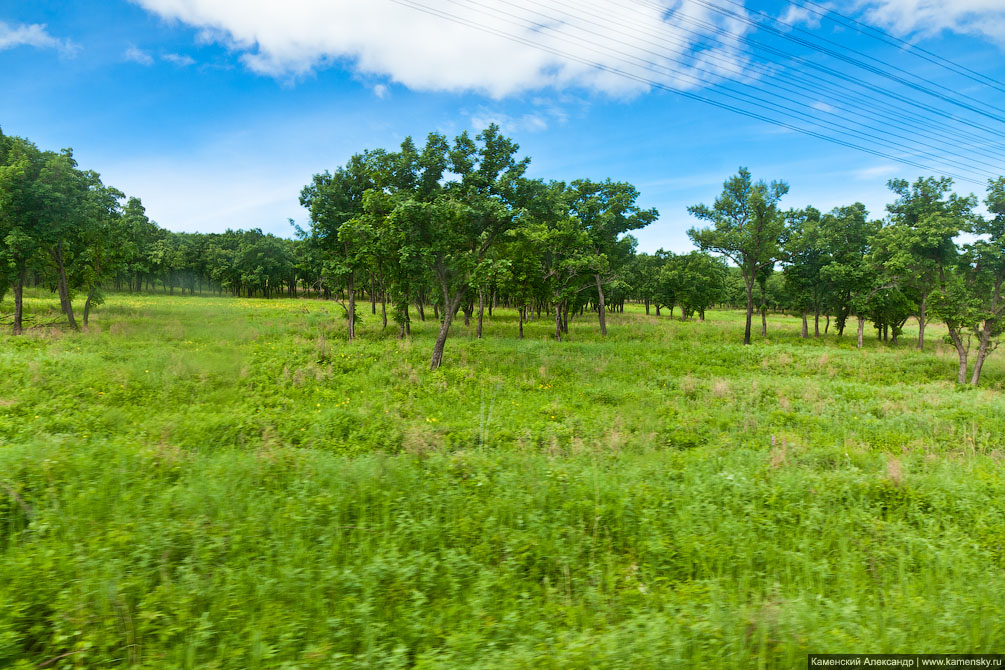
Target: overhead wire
[
  {"x": 434, "y": 11},
  {"x": 970, "y": 160}
]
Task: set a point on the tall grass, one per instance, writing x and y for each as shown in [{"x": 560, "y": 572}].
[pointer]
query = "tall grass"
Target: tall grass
[{"x": 206, "y": 482}]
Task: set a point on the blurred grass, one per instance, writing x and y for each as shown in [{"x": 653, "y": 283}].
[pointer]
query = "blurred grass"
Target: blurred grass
[{"x": 202, "y": 482}]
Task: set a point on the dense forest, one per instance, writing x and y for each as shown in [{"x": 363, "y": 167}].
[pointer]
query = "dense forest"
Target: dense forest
[{"x": 457, "y": 228}]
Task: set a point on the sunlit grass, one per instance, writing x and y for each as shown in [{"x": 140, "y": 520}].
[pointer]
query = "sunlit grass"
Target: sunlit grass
[{"x": 214, "y": 482}]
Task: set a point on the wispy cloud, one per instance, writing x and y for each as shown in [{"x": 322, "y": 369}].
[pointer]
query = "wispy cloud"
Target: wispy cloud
[
  {"x": 381, "y": 91},
  {"x": 136, "y": 55},
  {"x": 180, "y": 60},
  {"x": 877, "y": 172},
  {"x": 929, "y": 17},
  {"x": 509, "y": 125},
  {"x": 33, "y": 35}
]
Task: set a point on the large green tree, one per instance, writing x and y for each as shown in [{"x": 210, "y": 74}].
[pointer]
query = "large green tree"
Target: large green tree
[{"x": 747, "y": 227}]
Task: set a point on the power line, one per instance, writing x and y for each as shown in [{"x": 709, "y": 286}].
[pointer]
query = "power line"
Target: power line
[
  {"x": 885, "y": 37},
  {"x": 755, "y": 44},
  {"x": 767, "y": 103},
  {"x": 659, "y": 85},
  {"x": 849, "y": 59},
  {"x": 903, "y": 117},
  {"x": 854, "y": 61},
  {"x": 783, "y": 85}
]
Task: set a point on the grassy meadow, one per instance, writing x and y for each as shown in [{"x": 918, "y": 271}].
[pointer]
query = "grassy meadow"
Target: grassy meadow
[{"x": 203, "y": 482}]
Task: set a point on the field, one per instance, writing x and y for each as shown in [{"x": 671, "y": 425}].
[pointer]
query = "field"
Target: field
[{"x": 201, "y": 482}]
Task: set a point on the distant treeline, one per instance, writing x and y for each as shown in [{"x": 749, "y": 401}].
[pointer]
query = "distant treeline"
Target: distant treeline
[{"x": 457, "y": 227}]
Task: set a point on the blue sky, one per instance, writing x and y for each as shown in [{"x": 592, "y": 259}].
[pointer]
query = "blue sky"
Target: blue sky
[{"x": 217, "y": 112}]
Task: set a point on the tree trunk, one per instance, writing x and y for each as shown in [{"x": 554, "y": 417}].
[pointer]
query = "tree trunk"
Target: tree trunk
[
  {"x": 861, "y": 330},
  {"x": 436, "y": 311},
  {"x": 647, "y": 308},
  {"x": 558, "y": 323},
  {"x": 441, "y": 339},
  {"x": 522, "y": 309},
  {"x": 827, "y": 326},
  {"x": 816, "y": 323},
  {"x": 18, "y": 305},
  {"x": 957, "y": 337},
  {"x": 64, "y": 291},
  {"x": 921, "y": 321},
  {"x": 481, "y": 312},
  {"x": 373, "y": 300},
  {"x": 806, "y": 328},
  {"x": 383, "y": 305},
  {"x": 352, "y": 306},
  {"x": 601, "y": 306},
  {"x": 982, "y": 353},
  {"x": 750, "y": 311},
  {"x": 87, "y": 305},
  {"x": 422, "y": 312},
  {"x": 658, "y": 311},
  {"x": 565, "y": 317}
]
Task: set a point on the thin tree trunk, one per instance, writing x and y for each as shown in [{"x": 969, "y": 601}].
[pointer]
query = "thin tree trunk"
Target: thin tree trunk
[
  {"x": 861, "y": 330},
  {"x": 565, "y": 317},
  {"x": 816, "y": 323},
  {"x": 64, "y": 291},
  {"x": 558, "y": 323},
  {"x": 827, "y": 326},
  {"x": 441, "y": 339},
  {"x": 806, "y": 328},
  {"x": 352, "y": 306},
  {"x": 957, "y": 338},
  {"x": 373, "y": 300},
  {"x": 87, "y": 305},
  {"x": 982, "y": 352},
  {"x": 921, "y": 321},
  {"x": 522, "y": 309},
  {"x": 601, "y": 306},
  {"x": 481, "y": 311},
  {"x": 383, "y": 305},
  {"x": 18, "y": 305},
  {"x": 750, "y": 311}
]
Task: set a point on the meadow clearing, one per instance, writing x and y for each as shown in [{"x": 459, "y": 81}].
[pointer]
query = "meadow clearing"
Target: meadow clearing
[{"x": 202, "y": 482}]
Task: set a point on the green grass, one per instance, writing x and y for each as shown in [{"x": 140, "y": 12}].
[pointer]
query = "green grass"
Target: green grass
[{"x": 203, "y": 482}]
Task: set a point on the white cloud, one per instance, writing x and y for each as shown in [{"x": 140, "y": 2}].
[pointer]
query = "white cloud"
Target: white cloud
[
  {"x": 135, "y": 55},
  {"x": 426, "y": 52},
  {"x": 509, "y": 125},
  {"x": 876, "y": 172},
  {"x": 381, "y": 91},
  {"x": 33, "y": 35},
  {"x": 800, "y": 15},
  {"x": 929, "y": 17},
  {"x": 180, "y": 60}
]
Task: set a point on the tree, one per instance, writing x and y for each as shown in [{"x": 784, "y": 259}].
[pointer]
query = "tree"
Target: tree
[
  {"x": 334, "y": 199},
  {"x": 924, "y": 221},
  {"x": 698, "y": 281},
  {"x": 99, "y": 238},
  {"x": 451, "y": 222},
  {"x": 848, "y": 235},
  {"x": 20, "y": 165},
  {"x": 747, "y": 227},
  {"x": 969, "y": 298},
  {"x": 607, "y": 211},
  {"x": 804, "y": 256}
]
